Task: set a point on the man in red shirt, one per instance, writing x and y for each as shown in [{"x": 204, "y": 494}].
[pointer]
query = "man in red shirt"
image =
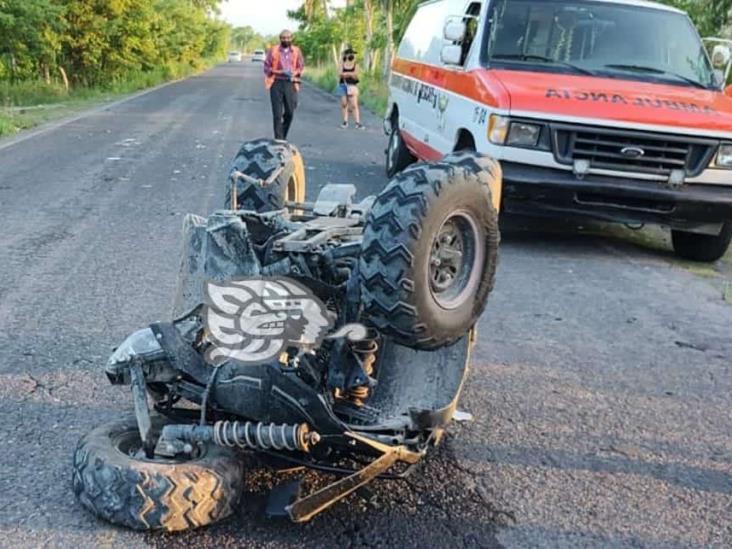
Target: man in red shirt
[{"x": 283, "y": 69}]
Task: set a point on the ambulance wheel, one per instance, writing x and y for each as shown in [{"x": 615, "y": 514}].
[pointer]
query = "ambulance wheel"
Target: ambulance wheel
[
  {"x": 398, "y": 156},
  {"x": 702, "y": 247},
  {"x": 114, "y": 480},
  {"x": 260, "y": 159},
  {"x": 430, "y": 250}
]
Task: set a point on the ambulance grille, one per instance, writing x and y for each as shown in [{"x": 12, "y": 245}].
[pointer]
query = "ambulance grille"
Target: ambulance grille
[{"x": 630, "y": 151}]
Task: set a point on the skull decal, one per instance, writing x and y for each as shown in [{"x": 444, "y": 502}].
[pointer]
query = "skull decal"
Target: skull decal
[{"x": 254, "y": 320}]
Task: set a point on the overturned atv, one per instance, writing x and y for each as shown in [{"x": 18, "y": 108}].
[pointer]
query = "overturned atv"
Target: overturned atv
[{"x": 329, "y": 334}]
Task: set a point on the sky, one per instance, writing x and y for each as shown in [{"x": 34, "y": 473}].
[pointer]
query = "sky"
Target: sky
[{"x": 265, "y": 16}]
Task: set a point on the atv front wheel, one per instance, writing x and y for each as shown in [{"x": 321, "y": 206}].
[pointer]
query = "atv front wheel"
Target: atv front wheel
[
  {"x": 114, "y": 480},
  {"x": 429, "y": 251},
  {"x": 260, "y": 159}
]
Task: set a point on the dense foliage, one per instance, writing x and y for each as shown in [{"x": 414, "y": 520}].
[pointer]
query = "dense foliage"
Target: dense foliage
[
  {"x": 712, "y": 17},
  {"x": 246, "y": 40},
  {"x": 97, "y": 41},
  {"x": 372, "y": 27}
]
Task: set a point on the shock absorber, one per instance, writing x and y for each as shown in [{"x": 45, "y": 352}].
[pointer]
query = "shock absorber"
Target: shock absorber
[
  {"x": 261, "y": 436},
  {"x": 242, "y": 434},
  {"x": 365, "y": 351}
]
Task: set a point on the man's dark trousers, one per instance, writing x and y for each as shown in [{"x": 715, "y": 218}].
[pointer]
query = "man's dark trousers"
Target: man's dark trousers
[{"x": 284, "y": 102}]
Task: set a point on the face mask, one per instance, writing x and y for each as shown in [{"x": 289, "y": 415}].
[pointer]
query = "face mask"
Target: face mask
[{"x": 285, "y": 43}]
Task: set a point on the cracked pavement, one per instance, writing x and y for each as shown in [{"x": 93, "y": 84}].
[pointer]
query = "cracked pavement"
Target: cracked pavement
[{"x": 600, "y": 384}]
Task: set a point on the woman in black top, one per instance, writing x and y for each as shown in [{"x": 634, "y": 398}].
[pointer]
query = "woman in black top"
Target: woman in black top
[{"x": 348, "y": 88}]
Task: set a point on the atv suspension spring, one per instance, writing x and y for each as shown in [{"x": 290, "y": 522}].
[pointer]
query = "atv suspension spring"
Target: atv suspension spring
[
  {"x": 365, "y": 351},
  {"x": 262, "y": 436}
]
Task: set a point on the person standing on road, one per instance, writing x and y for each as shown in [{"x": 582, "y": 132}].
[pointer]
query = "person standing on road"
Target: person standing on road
[
  {"x": 283, "y": 68},
  {"x": 348, "y": 88}
]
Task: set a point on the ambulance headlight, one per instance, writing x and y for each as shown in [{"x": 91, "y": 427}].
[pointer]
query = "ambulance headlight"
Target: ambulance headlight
[
  {"x": 498, "y": 129},
  {"x": 724, "y": 156},
  {"x": 523, "y": 134}
]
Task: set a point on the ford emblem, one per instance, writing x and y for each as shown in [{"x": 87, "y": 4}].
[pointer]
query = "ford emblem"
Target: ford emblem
[{"x": 632, "y": 152}]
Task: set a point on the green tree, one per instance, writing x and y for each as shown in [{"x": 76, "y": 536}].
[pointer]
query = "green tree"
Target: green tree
[
  {"x": 106, "y": 38},
  {"x": 709, "y": 16},
  {"x": 246, "y": 39},
  {"x": 29, "y": 37}
]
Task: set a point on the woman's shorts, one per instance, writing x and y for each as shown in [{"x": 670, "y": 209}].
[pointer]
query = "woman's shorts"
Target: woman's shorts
[{"x": 346, "y": 90}]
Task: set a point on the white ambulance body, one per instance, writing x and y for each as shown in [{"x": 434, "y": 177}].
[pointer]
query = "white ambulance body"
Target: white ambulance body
[{"x": 609, "y": 109}]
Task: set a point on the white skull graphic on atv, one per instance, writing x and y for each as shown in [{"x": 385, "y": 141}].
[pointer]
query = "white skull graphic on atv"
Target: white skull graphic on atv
[{"x": 253, "y": 320}]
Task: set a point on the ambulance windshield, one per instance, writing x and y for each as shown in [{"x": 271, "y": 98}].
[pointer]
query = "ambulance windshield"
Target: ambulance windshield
[{"x": 597, "y": 38}]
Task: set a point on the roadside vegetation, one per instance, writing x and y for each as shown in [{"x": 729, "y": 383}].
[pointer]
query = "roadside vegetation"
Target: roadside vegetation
[
  {"x": 372, "y": 27},
  {"x": 57, "y": 56},
  {"x": 246, "y": 40},
  {"x": 373, "y": 90}
]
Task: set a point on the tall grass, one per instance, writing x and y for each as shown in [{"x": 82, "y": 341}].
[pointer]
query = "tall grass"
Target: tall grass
[
  {"x": 28, "y": 103},
  {"x": 35, "y": 92},
  {"x": 373, "y": 88}
]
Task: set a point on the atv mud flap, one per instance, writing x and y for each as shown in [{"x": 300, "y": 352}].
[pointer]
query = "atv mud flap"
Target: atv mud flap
[{"x": 419, "y": 390}]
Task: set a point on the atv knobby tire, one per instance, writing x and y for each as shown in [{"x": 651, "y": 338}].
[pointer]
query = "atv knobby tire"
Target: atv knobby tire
[
  {"x": 259, "y": 159},
  {"x": 430, "y": 250},
  {"x": 155, "y": 494}
]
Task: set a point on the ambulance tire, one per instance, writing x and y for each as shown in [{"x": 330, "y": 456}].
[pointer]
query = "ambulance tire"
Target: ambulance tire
[
  {"x": 702, "y": 247},
  {"x": 398, "y": 155}
]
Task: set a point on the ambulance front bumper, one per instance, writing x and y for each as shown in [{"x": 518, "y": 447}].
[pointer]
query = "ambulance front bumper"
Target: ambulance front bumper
[{"x": 548, "y": 191}]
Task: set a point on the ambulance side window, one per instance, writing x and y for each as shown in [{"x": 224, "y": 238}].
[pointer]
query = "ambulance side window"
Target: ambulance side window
[
  {"x": 471, "y": 26},
  {"x": 422, "y": 40}
]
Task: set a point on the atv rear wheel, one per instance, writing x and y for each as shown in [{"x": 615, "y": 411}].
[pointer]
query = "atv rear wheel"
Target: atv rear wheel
[
  {"x": 260, "y": 159},
  {"x": 429, "y": 251},
  {"x": 702, "y": 247},
  {"x": 114, "y": 480}
]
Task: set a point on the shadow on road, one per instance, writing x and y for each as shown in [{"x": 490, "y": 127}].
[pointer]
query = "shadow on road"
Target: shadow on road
[
  {"x": 649, "y": 242},
  {"x": 440, "y": 500}
]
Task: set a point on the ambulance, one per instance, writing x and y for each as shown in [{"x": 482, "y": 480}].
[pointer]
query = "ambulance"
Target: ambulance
[{"x": 607, "y": 109}]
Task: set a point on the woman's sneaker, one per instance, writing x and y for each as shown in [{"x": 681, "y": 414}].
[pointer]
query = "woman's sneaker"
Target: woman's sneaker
[
  {"x": 360, "y": 127},
  {"x": 344, "y": 125}
]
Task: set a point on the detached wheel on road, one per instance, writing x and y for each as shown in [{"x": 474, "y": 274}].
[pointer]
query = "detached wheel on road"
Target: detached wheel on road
[
  {"x": 114, "y": 480},
  {"x": 430, "y": 250},
  {"x": 260, "y": 159},
  {"x": 702, "y": 247},
  {"x": 398, "y": 156}
]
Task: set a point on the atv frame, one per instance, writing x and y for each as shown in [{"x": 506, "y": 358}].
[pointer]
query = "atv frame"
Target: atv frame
[{"x": 362, "y": 408}]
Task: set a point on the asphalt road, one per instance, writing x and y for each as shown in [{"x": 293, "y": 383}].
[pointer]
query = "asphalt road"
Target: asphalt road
[{"x": 601, "y": 384}]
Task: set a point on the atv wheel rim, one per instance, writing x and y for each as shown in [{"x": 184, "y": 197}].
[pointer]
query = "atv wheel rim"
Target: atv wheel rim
[
  {"x": 128, "y": 443},
  {"x": 456, "y": 260}
]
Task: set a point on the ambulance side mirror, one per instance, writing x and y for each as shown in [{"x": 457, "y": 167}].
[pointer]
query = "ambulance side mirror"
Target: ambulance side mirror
[
  {"x": 721, "y": 56},
  {"x": 454, "y": 31},
  {"x": 451, "y": 54}
]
